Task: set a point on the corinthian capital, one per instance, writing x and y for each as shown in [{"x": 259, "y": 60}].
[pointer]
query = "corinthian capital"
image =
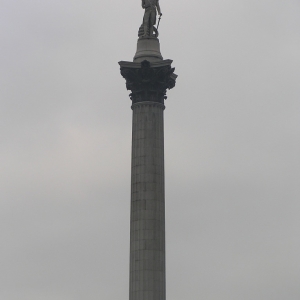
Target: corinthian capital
[{"x": 148, "y": 81}]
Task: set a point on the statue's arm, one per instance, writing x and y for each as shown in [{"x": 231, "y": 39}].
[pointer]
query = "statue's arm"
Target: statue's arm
[
  {"x": 143, "y": 3},
  {"x": 158, "y": 8}
]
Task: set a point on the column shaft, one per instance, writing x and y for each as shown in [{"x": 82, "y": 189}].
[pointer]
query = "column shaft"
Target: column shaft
[{"x": 147, "y": 221}]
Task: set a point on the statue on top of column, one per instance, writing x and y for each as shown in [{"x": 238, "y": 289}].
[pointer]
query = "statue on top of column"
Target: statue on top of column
[{"x": 148, "y": 29}]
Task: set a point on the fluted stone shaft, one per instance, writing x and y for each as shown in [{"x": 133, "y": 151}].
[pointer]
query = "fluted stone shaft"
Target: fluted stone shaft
[
  {"x": 148, "y": 81},
  {"x": 147, "y": 228}
]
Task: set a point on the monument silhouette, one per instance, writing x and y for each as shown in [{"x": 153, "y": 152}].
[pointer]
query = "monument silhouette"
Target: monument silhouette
[{"x": 148, "y": 77}]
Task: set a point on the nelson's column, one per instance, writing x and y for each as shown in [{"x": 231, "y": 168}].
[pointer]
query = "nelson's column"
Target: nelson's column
[{"x": 148, "y": 77}]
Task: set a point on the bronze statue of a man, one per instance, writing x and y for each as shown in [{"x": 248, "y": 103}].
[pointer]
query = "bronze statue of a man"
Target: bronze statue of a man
[{"x": 151, "y": 9}]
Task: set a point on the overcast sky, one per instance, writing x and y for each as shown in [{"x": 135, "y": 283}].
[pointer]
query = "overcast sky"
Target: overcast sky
[{"x": 232, "y": 144}]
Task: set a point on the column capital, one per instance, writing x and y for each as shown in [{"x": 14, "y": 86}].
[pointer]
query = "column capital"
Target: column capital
[{"x": 148, "y": 81}]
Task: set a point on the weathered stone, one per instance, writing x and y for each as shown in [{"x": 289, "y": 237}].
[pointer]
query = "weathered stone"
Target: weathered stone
[
  {"x": 151, "y": 7},
  {"x": 148, "y": 49},
  {"x": 147, "y": 233},
  {"x": 148, "y": 81}
]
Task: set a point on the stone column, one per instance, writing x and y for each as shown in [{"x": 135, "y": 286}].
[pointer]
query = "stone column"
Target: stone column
[
  {"x": 148, "y": 83},
  {"x": 147, "y": 224}
]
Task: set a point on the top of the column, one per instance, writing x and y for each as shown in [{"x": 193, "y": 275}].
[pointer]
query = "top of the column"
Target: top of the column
[
  {"x": 148, "y": 47},
  {"x": 149, "y": 75}
]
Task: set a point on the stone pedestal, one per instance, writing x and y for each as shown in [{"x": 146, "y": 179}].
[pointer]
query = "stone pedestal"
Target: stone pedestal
[
  {"x": 148, "y": 48},
  {"x": 148, "y": 78}
]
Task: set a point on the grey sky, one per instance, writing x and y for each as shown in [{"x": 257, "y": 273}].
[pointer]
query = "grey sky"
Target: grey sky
[{"x": 232, "y": 143}]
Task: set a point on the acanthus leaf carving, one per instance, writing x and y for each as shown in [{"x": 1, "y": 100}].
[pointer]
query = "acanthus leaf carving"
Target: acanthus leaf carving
[{"x": 149, "y": 83}]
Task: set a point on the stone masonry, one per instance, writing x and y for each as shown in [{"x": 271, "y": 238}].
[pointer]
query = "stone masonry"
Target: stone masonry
[
  {"x": 148, "y": 79},
  {"x": 147, "y": 233}
]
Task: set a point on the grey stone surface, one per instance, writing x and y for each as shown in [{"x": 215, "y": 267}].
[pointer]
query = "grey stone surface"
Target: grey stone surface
[
  {"x": 151, "y": 7},
  {"x": 148, "y": 49},
  {"x": 147, "y": 228},
  {"x": 148, "y": 81},
  {"x": 137, "y": 65}
]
